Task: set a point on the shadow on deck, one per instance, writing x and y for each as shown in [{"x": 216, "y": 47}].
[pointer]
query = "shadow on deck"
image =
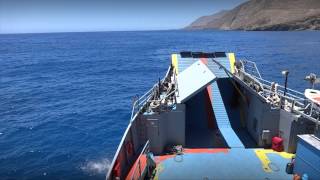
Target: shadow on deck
[
  {"x": 236, "y": 113},
  {"x": 201, "y": 126}
]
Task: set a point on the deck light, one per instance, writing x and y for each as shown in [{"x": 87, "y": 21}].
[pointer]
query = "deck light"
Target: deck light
[{"x": 285, "y": 73}]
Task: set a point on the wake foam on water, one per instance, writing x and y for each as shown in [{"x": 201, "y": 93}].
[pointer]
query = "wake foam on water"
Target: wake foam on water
[{"x": 97, "y": 167}]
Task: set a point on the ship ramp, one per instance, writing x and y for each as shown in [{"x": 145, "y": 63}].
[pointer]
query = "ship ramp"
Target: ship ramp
[
  {"x": 218, "y": 106},
  {"x": 221, "y": 116}
]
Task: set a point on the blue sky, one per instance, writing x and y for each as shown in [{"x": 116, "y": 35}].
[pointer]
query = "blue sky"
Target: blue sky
[{"x": 29, "y": 16}]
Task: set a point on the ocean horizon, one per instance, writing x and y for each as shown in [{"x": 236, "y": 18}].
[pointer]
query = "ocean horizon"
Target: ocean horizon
[{"x": 65, "y": 98}]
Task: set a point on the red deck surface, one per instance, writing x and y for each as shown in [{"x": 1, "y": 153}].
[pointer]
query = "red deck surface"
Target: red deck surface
[
  {"x": 161, "y": 158},
  {"x": 134, "y": 172}
]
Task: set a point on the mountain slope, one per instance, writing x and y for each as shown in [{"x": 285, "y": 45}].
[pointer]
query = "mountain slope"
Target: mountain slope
[{"x": 265, "y": 15}]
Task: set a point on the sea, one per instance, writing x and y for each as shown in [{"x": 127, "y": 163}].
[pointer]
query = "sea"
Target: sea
[{"x": 65, "y": 98}]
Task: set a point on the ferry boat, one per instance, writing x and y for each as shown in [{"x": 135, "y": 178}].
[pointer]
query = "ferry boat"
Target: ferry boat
[{"x": 213, "y": 116}]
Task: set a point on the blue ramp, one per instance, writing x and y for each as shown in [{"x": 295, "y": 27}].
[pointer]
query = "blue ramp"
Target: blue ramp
[
  {"x": 184, "y": 63},
  {"x": 222, "y": 119},
  {"x": 219, "y": 109}
]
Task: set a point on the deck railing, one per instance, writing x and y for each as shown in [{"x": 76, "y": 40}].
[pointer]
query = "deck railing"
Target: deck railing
[
  {"x": 251, "y": 68},
  {"x": 139, "y": 103},
  {"x": 293, "y": 101},
  {"x": 141, "y": 165},
  {"x": 289, "y": 92}
]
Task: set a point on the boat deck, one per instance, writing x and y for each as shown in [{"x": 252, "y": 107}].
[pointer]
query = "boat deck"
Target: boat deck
[{"x": 236, "y": 163}]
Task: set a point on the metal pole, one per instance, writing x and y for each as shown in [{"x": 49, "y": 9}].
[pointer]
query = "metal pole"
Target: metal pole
[
  {"x": 313, "y": 85},
  {"x": 285, "y": 85},
  {"x": 159, "y": 84}
]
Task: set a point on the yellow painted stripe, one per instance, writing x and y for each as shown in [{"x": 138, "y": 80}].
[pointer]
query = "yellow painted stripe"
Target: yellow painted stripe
[
  {"x": 262, "y": 155},
  {"x": 232, "y": 60},
  {"x": 282, "y": 154},
  {"x": 287, "y": 155},
  {"x": 174, "y": 61},
  {"x": 264, "y": 160}
]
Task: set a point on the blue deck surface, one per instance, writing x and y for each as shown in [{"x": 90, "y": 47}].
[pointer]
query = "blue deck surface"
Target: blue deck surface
[
  {"x": 184, "y": 63},
  {"x": 238, "y": 163},
  {"x": 216, "y": 69}
]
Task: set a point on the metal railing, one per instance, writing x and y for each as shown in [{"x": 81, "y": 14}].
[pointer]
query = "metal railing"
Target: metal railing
[
  {"x": 289, "y": 92},
  {"x": 142, "y": 163},
  {"x": 293, "y": 101},
  {"x": 251, "y": 68},
  {"x": 140, "y": 102}
]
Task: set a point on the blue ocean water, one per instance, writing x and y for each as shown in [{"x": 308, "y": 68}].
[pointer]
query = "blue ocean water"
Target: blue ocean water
[{"x": 65, "y": 98}]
